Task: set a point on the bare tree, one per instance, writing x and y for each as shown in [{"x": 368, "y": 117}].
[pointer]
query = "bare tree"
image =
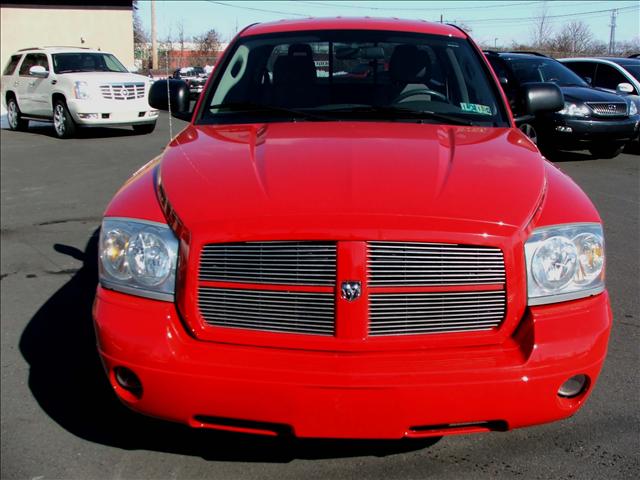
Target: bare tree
[
  {"x": 574, "y": 37},
  {"x": 140, "y": 38},
  {"x": 181, "y": 39},
  {"x": 542, "y": 31},
  {"x": 208, "y": 43}
]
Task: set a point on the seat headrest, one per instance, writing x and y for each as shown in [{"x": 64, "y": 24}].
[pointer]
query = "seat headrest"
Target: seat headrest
[
  {"x": 296, "y": 67},
  {"x": 408, "y": 64}
]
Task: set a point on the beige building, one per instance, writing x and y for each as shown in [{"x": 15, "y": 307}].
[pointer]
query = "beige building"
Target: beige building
[{"x": 105, "y": 25}]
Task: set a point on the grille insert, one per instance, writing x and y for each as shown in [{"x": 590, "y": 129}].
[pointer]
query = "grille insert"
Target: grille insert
[
  {"x": 283, "y": 263},
  {"x": 415, "y": 313},
  {"x": 608, "y": 109},
  {"x": 122, "y": 91},
  {"x": 268, "y": 310},
  {"x": 433, "y": 264}
]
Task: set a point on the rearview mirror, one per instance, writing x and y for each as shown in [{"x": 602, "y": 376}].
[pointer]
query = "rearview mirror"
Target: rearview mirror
[
  {"x": 543, "y": 97},
  {"x": 174, "y": 93},
  {"x": 624, "y": 88},
  {"x": 38, "y": 71}
]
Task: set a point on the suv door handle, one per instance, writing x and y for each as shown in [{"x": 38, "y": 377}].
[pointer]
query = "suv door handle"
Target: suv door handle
[
  {"x": 16, "y": 83},
  {"x": 31, "y": 84}
]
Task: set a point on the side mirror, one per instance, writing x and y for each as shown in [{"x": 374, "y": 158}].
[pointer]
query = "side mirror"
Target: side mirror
[
  {"x": 503, "y": 80},
  {"x": 543, "y": 97},
  {"x": 38, "y": 71},
  {"x": 624, "y": 88},
  {"x": 170, "y": 92}
]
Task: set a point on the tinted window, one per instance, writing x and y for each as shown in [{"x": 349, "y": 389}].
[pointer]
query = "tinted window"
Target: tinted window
[
  {"x": 11, "y": 66},
  {"x": 543, "y": 70},
  {"x": 608, "y": 77},
  {"x": 356, "y": 75},
  {"x": 584, "y": 69},
  {"x": 31, "y": 60},
  {"x": 86, "y": 62}
]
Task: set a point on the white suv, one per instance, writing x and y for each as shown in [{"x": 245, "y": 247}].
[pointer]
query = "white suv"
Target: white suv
[{"x": 74, "y": 87}]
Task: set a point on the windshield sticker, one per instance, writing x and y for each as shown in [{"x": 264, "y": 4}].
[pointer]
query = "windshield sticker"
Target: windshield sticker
[{"x": 475, "y": 108}]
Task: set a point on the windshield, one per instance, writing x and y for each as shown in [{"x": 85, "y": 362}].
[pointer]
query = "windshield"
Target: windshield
[
  {"x": 353, "y": 75},
  {"x": 86, "y": 62},
  {"x": 544, "y": 70}
]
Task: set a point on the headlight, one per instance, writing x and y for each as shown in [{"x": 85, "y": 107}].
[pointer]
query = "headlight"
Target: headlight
[
  {"x": 564, "y": 262},
  {"x": 575, "y": 110},
  {"x": 138, "y": 257},
  {"x": 81, "y": 90},
  {"x": 633, "y": 110}
]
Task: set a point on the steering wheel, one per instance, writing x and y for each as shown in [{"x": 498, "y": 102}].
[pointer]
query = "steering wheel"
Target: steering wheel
[{"x": 419, "y": 91}]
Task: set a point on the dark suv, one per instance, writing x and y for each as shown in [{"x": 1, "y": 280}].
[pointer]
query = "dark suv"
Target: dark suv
[{"x": 591, "y": 119}]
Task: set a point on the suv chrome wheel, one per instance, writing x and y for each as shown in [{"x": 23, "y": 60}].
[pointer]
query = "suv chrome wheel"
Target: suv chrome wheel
[
  {"x": 12, "y": 115},
  {"x": 59, "y": 119}
]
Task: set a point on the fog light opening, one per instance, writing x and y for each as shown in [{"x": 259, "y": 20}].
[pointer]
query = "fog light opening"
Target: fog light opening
[
  {"x": 128, "y": 380},
  {"x": 574, "y": 386}
]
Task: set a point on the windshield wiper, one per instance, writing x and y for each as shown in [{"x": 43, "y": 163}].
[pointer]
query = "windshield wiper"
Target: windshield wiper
[
  {"x": 250, "y": 107},
  {"x": 402, "y": 113}
]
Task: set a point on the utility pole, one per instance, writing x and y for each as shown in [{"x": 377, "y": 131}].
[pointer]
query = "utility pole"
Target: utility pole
[
  {"x": 440, "y": 18},
  {"x": 154, "y": 36},
  {"x": 495, "y": 43},
  {"x": 612, "y": 36}
]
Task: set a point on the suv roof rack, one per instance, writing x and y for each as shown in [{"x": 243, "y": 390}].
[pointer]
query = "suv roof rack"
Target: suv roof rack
[
  {"x": 29, "y": 48},
  {"x": 66, "y": 46},
  {"x": 634, "y": 55},
  {"x": 529, "y": 52},
  {"x": 490, "y": 52}
]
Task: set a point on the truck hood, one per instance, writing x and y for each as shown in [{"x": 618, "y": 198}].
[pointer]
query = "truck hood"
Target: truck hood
[{"x": 346, "y": 178}]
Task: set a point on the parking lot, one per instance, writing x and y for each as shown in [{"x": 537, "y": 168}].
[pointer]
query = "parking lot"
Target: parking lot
[{"x": 60, "y": 419}]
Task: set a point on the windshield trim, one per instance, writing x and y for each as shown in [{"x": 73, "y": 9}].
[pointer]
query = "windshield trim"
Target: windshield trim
[{"x": 502, "y": 117}]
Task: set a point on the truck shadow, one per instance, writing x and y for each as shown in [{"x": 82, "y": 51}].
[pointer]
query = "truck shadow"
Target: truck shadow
[
  {"x": 46, "y": 129},
  {"x": 68, "y": 382}
]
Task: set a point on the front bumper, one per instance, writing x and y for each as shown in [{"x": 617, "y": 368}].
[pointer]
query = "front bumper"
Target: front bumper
[
  {"x": 104, "y": 113},
  {"x": 384, "y": 394},
  {"x": 585, "y": 132}
]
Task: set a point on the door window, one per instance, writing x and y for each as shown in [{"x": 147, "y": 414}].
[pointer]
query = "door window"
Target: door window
[
  {"x": 608, "y": 77},
  {"x": 11, "y": 66},
  {"x": 587, "y": 70},
  {"x": 31, "y": 60}
]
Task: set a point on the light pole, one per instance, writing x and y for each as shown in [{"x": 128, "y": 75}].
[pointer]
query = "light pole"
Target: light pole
[{"x": 495, "y": 43}]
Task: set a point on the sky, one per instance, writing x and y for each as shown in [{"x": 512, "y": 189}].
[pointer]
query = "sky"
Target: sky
[{"x": 496, "y": 23}]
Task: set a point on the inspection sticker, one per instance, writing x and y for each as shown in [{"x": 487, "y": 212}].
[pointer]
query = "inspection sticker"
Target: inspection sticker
[{"x": 475, "y": 108}]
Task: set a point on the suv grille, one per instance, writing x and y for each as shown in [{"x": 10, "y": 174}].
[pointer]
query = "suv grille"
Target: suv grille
[
  {"x": 430, "y": 264},
  {"x": 122, "y": 91},
  {"x": 608, "y": 109}
]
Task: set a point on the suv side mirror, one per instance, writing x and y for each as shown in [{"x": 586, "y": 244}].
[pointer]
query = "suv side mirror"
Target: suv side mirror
[
  {"x": 38, "y": 71},
  {"x": 170, "y": 92},
  {"x": 543, "y": 97},
  {"x": 624, "y": 88}
]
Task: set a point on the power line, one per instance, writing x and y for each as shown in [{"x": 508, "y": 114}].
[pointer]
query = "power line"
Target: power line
[
  {"x": 417, "y": 9},
  {"x": 255, "y": 9},
  {"x": 564, "y": 15}
]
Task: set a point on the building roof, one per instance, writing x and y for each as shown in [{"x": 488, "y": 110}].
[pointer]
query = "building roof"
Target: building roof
[{"x": 350, "y": 23}]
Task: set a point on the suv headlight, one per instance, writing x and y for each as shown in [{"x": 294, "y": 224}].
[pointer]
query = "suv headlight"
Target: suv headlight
[
  {"x": 564, "y": 262},
  {"x": 633, "y": 109},
  {"x": 138, "y": 257},
  {"x": 575, "y": 110},
  {"x": 81, "y": 90}
]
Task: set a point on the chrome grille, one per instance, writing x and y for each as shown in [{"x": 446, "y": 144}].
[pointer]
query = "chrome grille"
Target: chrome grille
[
  {"x": 608, "y": 109},
  {"x": 432, "y": 264},
  {"x": 122, "y": 91},
  {"x": 415, "y": 313},
  {"x": 268, "y": 310},
  {"x": 284, "y": 263}
]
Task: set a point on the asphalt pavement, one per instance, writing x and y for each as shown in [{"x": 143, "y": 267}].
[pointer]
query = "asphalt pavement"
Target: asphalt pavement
[{"x": 60, "y": 419}]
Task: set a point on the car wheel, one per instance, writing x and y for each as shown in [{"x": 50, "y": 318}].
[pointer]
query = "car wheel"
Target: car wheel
[
  {"x": 14, "y": 117},
  {"x": 144, "y": 128},
  {"x": 606, "y": 151},
  {"x": 530, "y": 132},
  {"x": 63, "y": 124}
]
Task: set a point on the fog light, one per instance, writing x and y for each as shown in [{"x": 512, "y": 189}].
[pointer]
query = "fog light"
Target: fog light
[
  {"x": 573, "y": 386},
  {"x": 89, "y": 116},
  {"x": 153, "y": 113},
  {"x": 128, "y": 380},
  {"x": 563, "y": 129}
]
